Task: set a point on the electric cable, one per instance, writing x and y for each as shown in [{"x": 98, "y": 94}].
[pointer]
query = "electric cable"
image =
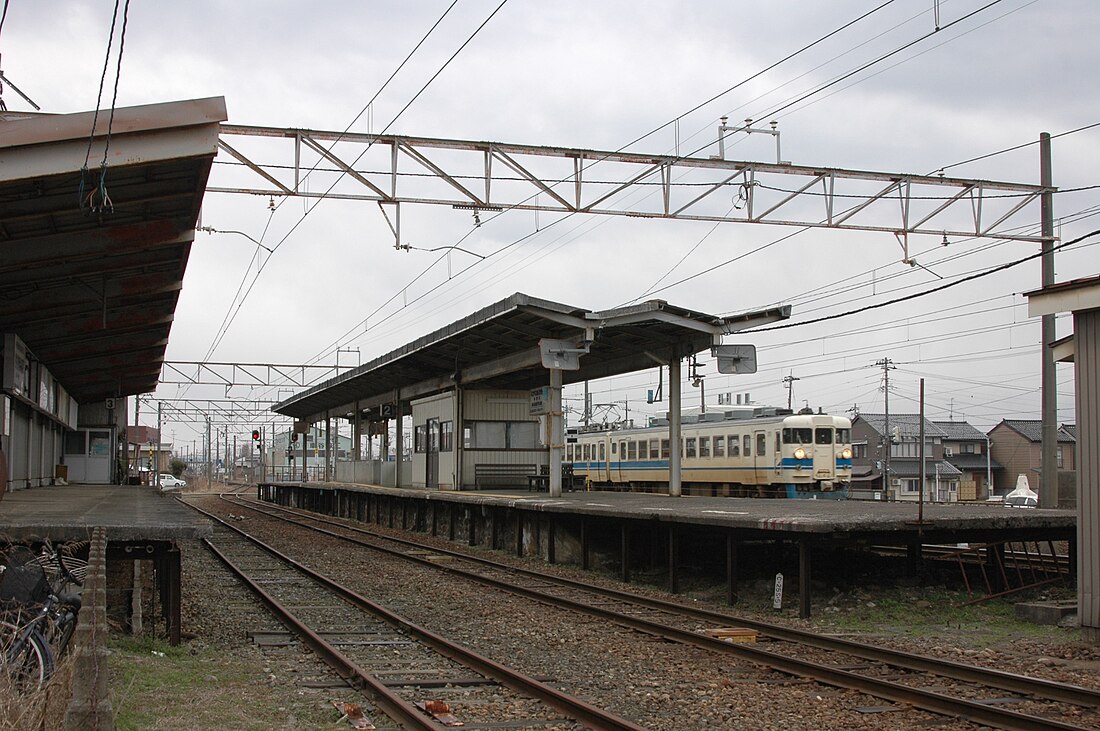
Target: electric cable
[
  {"x": 403, "y": 290},
  {"x": 312, "y": 208},
  {"x": 940, "y": 288}
]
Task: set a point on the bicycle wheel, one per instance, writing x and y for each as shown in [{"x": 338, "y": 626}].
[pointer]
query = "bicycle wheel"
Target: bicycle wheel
[{"x": 28, "y": 661}]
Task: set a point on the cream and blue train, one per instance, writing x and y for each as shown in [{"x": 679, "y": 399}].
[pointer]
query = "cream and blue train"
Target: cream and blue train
[{"x": 785, "y": 456}]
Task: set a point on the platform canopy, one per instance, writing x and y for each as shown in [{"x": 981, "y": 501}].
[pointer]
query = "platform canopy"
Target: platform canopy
[
  {"x": 92, "y": 258},
  {"x": 498, "y": 347}
]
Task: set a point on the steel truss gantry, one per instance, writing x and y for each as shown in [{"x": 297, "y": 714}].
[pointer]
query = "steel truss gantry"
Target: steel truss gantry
[
  {"x": 219, "y": 412},
  {"x": 490, "y": 176},
  {"x": 256, "y": 375}
]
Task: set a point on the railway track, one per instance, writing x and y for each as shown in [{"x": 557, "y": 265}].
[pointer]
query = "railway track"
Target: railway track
[
  {"x": 414, "y": 678},
  {"x": 962, "y": 691}
]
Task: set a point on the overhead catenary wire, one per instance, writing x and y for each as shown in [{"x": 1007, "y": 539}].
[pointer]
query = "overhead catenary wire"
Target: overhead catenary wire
[
  {"x": 423, "y": 88},
  {"x": 398, "y": 294},
  {"x": 925, "y": 293},
  {"x": 759, "y": 248},
  {"x": 587, "y": 165}
]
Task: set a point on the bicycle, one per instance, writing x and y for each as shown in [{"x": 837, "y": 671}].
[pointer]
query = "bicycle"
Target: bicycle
[{"x": 39, "y": 614}]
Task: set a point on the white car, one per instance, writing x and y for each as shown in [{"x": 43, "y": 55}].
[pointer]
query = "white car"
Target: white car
[{"x": 168, "y": 481}]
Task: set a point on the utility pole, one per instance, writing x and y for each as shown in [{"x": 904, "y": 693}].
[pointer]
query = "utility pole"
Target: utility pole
[
  {"x": 789, "y": 381},
  {"x": 1048, "y": 483},
  {"x": 160, "y": 439},
  {"x": 887, "y": 366}
]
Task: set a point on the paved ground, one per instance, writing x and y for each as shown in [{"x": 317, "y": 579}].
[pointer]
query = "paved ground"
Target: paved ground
[{"x": 71, "y": 512}]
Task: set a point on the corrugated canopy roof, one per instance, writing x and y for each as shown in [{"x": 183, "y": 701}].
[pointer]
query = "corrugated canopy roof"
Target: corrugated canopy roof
[
  {"x": 93, "y": 292},
  {"x": 498, "y": 347}
]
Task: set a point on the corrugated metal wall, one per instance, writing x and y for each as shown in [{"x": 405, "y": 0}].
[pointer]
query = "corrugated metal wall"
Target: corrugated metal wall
[{"x": 497, "y": 406}]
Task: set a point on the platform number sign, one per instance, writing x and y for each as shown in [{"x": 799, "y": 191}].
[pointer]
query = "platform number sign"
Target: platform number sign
[{"x": 777, "y": 598}]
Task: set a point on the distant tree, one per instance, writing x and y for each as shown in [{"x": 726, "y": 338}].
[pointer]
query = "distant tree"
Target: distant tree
[{"x": 177, "y": 466}]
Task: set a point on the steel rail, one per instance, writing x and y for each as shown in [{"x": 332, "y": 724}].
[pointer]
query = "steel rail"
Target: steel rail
[
  {"x": 1038, "y": 687},
  {"x": 939, "y": 703},
  {"x": 576, "y": 709}
]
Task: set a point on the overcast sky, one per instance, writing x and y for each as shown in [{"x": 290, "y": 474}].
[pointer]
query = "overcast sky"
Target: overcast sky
[{"x": 598, "y": 75}]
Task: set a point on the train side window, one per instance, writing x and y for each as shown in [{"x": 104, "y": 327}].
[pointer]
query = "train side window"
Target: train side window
[
  {"x": 612, "y": 447},
  {"x": 655, "y": 448},
  {"x": 622, "y": 451},
  {"x": 585, "y": 452},
  {"x": 734, "y": 445},
  {"x": 824, "y": 436},
  {"x": 747, "y": 451},
  {"x": 568, "y": 452},
  {"x": 665, "y": 449},
  {"x": 704, "y": 446},
  {"x": 632, "y": 450},
  {"x": 761, "y": 444},
  {"x": 643, "y": 449},
  {"x": 603, "y": 451},
  {"x": 690, "y": 447},
  {"x": 719, "y": 447}
]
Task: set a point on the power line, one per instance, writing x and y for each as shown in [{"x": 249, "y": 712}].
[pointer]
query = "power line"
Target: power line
[
  {"x": 1020, "y": 147},
  {"x": 312, "y": 208},
  {"x": 632, "y": 142},
  {"x": 922, "y": 294}
]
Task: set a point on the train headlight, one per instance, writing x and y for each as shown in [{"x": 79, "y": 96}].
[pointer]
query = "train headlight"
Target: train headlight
[
  {"x": 846, "y": 453},
  {"x": 800, "y": 453}
]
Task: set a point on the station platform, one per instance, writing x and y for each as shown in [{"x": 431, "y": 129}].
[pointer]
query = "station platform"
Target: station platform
[
  {"x": 141, "y": 524},
  {"x": 627, "y": 530},
  {"x": 71, "y": 512},
  {"x": 886, "y": 521}
]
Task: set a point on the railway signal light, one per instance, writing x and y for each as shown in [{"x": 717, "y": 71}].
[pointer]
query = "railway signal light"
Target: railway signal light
[{"x": 255, "y": 435}]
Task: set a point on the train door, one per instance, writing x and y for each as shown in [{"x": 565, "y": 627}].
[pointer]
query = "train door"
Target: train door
[
  {"x": 602, "y": 471},
  {"x": 618, "y": 458},
  {"x": 824, "y": 457},
  {"x": 762, "y": 461}
]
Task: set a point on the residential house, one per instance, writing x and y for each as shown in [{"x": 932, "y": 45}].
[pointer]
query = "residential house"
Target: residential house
[
  {"x": 967, "y": 449},
  {"x": 147, "y": 453},
  {"x": 1018, "y": 445},
  {"x": 870, "y": 437}
]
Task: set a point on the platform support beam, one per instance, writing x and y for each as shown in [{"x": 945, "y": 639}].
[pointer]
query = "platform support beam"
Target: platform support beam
[
  {"x": 625, "y": 552},
  {"x": 673, "y": 560},
  {"x": 731, "y": 568},
  {"x": 471, "y": 529},
  {"x": 912, "y": 559},
  {"x": 584, "y": 543},
  {"x": 551, "y": 529},
  {"x": 519, "y": 533},
  {"x": 995, "y": 566},
  {"x": 804, "y": 579}
]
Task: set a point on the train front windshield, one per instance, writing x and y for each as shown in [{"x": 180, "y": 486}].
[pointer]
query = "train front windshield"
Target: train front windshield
[
  {"x": 823, "y": 436},
  {"x": 798, "y": 436}
]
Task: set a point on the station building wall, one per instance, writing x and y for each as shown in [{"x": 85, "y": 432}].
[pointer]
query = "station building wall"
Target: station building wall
[{"x": 496, "y": 428}]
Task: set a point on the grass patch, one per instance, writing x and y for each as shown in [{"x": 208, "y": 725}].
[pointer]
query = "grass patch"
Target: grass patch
[
  {"x": 933, "y": 613},
  {"x": 157, "y": 686}
]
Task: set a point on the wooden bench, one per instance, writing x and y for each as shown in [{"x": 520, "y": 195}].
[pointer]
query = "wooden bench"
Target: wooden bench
[{"x": 504, "y": 475}]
